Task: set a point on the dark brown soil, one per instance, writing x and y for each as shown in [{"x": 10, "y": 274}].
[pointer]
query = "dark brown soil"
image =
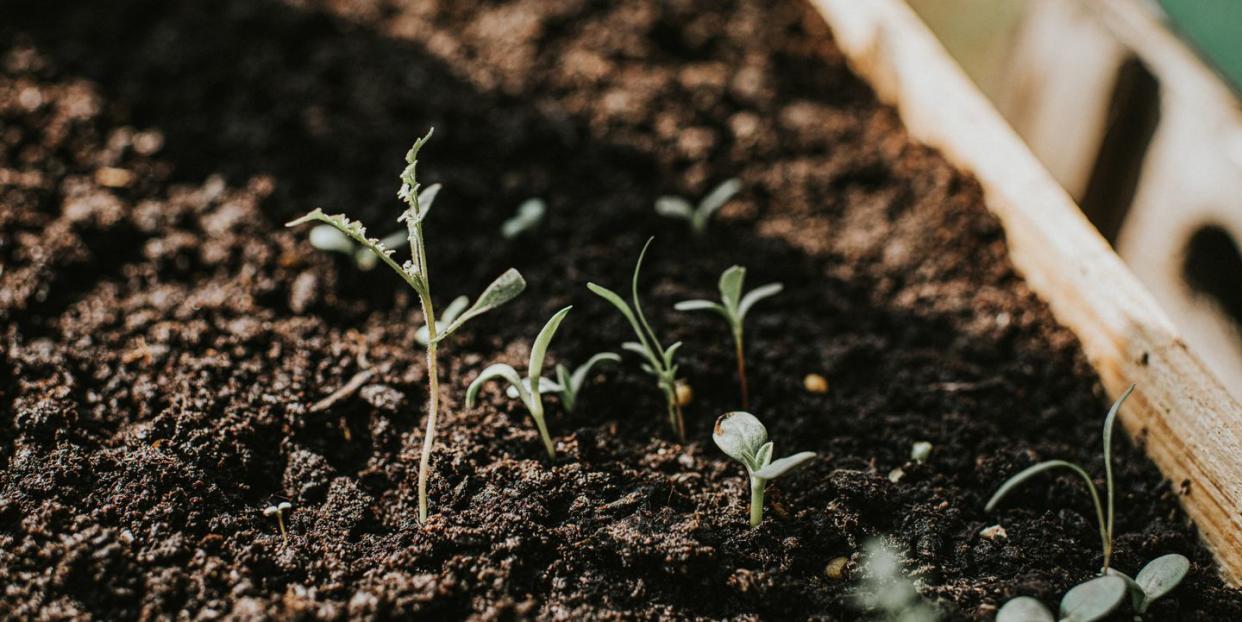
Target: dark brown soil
[{"x": 164, "y": 336}]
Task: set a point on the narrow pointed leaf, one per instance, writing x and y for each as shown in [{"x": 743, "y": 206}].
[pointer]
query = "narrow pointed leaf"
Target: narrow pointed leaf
[
  {"x": 506, "y": 287},
  {"x": 1093, "y": 600},
  {"x": 499, "y": 370},
  {"x": 674, "y": 207},
  {"x": 698, "y": 305},
  {"x": 619, "y": 303},
  {"x": 1108, "y": 454},
  {"x": 540, "y": 349},
  {"x": 580, "y": 374},
  {"x": 1024, "y": 609},
  {"x": 358, "y": 233},
  {"x": 425, "y": 199},
  {"x": 777, "y": 468},
  {"x": 528, "y": 216},
  {"x": 1160, "y": 576},
  {"x": 764, "y": 456},
  {"x": 1030, "y": 472},
  {"x": 669, "y": 353},
  {"x": 718, "y": 197},
  {"x": 755, "y": 295}
]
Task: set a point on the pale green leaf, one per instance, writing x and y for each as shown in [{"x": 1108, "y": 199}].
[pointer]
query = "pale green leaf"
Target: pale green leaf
[
  {"x": 674, "y": 207},
  {"x": 506, "y": 287},
  {"x": 731, "y": 281},
  {"x": 540, "y": 349},
  {"x": 777, "y": 468},
  {"x": 499, "y": 370},
  {"x": 755, "y": 295},
  {"x": 1024, "y": 609},
  {"x": 1093, "y": 600},
  {"x": 1160, "y": 576},
  {"x": 740, "y": 435}
]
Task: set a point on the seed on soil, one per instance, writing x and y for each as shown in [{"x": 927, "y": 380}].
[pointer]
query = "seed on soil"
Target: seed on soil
[
  {"x": 836, "y": 568},
  {"x": 815, "y": 383},
  {"x": 994, "y": 532},
  {"x": 685, "y": 394},
  {"x": 896, "y": 474}
]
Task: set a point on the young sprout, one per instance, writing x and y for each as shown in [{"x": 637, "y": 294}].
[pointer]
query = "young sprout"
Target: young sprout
[
  {"x": 733, "y": 307},
  {"x": 528, "y": 216},
  {"x": 887, "y": 591},
  {"x": 742, "y": 437},
  {"x": 415, "y": 273},
  {"x": 278, "y": 510},
  {"x": 567, "y": 385},
  {"x": 1159, "y": 576},
  {"x": 659, "y": 360},
  {"x": 677, "y": 207},
  {"x": 528, "y": 393}
]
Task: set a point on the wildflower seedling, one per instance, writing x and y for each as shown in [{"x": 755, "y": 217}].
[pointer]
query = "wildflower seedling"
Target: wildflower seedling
[
  {"x": 742, "y": 437},
  {"x": 659, "y": 360},
  {"x": 886, "y": 591},
  {"x": 1085, "y": 602},
  {"x": 278, "y": 510},
  {"x": 415, "y": 273},
  {"x": 677, "y": 207},
  {"x": 528, "y": 393},
  {"x": 528, "y": 216},
  {"x": 1156, "y": 579},
  {"x": 567, "y": 384},
  {"x": 733, "y": 307}
]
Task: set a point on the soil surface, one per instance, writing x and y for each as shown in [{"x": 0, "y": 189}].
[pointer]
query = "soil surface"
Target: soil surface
[{"x": 164, "y": 337}]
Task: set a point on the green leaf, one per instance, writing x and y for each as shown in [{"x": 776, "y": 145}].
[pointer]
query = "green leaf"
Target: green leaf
[
  {"x": 1034, "y": 470},
  {"x": 506, "y": 287},
  {"x": 731, "y": 287},
  {"x": 327, "y": 238},
  {"x": 674, "y": 207},
  {"x": 699, "y": 305},
  {"x": 537, "y": 352},
  {"x": 670, "y": 353},
  {"x": 528, "y": 216},
  {"x": 740, "y": 435},
  {"x": 1108, "y": 457},
  {"x": 755, "y": 295},
  {"x": 579, "y": 376},
  {"x": 1024, "y": 609},
  {"x": 637, "y": 348},
  {"x": 358, "y": 233},
  {"x": 1093, "y": 600},
  {"x": 716, "y": 199},
  {"x": 425, "y": 199},
  {"x": 1160, "y": 576},
  {"x": 777, "y": 468},
  {"x": 499, "y": 370},
  {"x": 621, "y": 305},
  {"x": 764, "y": 456}
]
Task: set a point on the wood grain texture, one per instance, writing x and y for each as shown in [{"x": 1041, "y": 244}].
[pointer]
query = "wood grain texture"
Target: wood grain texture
[{"x": 1191, "y": 427}]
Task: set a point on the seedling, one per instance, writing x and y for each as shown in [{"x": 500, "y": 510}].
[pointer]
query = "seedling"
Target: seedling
[
  {"x": 1086, "y": 602},
  {"x": 278, "y": 510},
  {"x": 733, "y": 307},
  {"x": 528, "y": 393},
  {"x": 528, "y": 216},
  {"x": 328, "y": 238},
  {"x": 659, "y": 360},
  {"x": 1100, "y": 596},
  {"x": 567, "y": 385},
  {"x": 415, "y": 274},
  {"x": 886, "y": 591},
  {"x": 677, "y": 207},
  {"x": 1155, "y": 580},
  {"x": 742, "y": 437}
]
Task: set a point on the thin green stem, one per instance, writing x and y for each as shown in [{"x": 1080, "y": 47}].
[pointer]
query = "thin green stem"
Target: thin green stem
[
  {"x": 433, "y": 407},
  {"x": 543, "y": 432},
  {"x": 756, "y": 500},
  {"x": 741, "y": 368}
]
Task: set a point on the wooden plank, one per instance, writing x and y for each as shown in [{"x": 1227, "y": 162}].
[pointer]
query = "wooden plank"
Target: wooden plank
[{"x": 1191, "y": 426}]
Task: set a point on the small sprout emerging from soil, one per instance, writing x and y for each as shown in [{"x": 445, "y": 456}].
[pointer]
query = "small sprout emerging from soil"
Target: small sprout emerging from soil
[
  {"x": 1105, "y": 522},
  {"x": 328, "y": 238},
  {"x": 415, "y": 273},
  {"x": 529, "y": 215},
  {"x": 278, "y": 510},
  {"x": 733, "y": 307},
  {"x": 677, "y": 207},
  {"x": 568, "y": 385},
  {"x": 742, "y": 437},
  {"x": 920, "y": 451},
  {"x": 1155, "y": 580},
  {"x": 659, "y": 361},
  {"x": 528, "y": 391},
  {"x": 451, "y": 312},
  {"x": 815, "y": 383},
  {"x": 887, "y": 591}
]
